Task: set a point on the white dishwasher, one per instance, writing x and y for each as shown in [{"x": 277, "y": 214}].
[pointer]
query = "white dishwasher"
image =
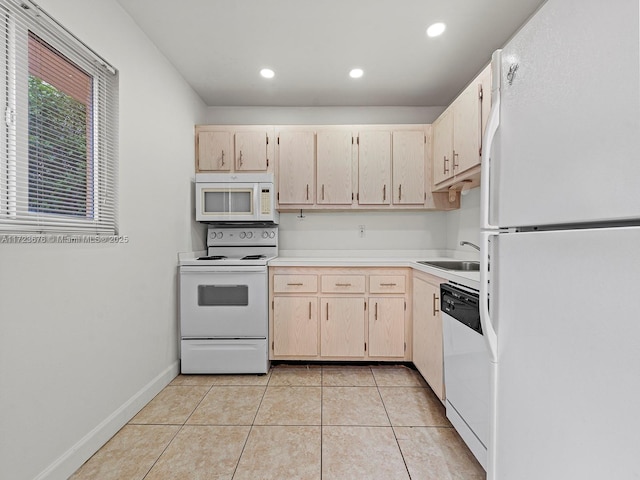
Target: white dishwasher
[{"x": 466, "y": 367}]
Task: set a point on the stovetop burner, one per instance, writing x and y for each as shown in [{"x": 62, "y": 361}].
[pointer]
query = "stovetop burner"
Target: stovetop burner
[
  {"x": 213, "y": 257},
  {"x": 253, "y": 257}
]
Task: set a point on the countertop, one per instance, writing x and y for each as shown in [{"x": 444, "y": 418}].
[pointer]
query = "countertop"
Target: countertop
[{"x": 378, "y": 259}]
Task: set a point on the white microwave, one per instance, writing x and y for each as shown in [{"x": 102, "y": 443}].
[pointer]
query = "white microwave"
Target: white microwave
[{"x": 235, "y": 197}]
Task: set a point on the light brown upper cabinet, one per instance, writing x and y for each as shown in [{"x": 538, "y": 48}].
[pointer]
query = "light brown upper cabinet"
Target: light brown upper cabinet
[
  {"x": 332, "y": 167},
  {"x": 233, "y": 148},
  {"x": 214, "y": 152},
  {"x": 443, "y": 147},
  {"x": 334, "y": 151},
  {"x": 374, "y": 167},
  {"x": 251, "y": 151},
  {"x": 457, "y": 135},
  {"x": 296, "y": 156},
  {"x": 408, "y": 162}
]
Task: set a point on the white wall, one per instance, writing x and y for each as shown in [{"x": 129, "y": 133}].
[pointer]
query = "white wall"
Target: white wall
[
  {"x": 88, "y": 333},
  {"x": 464, "y": 224},
  {"x": 383, "y": 231},
  {"x": 320, "y": 115}
]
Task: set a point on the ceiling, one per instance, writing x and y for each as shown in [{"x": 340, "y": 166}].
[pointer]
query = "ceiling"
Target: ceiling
[{"x": 219, "y": 46}]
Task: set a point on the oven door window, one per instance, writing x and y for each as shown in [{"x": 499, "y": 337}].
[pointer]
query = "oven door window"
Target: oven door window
[
  {"x": 228, "y": 201},
  {"x": 223, "y": 295}
]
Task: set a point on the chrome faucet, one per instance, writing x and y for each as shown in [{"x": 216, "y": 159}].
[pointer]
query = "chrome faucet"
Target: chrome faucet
[{"x": 463, "y": 243}]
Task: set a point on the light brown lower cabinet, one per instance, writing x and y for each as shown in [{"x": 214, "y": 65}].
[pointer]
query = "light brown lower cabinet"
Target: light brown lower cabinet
[
  {"x": 386, "y": 326},
  {"x": 427, "y": 331},
  {"x": 295, "y": 323},
  {"x": 342, "y": 327},
  {"x": 331, "y": 313}
]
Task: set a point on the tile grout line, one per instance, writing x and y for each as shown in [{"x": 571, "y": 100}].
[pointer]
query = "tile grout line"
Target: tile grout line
[
  {"x": 253, "y": 423},
  {"x": 393, "y": 430},
  {"x": 177, "y": 431},
  {"x": 321, "y": 417}
]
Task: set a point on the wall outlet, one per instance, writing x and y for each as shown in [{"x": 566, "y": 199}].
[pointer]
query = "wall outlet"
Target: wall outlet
[{"x": 361, "y": 229}]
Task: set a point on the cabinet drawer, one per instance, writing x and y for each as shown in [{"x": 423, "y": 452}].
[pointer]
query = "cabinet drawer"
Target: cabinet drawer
[
  {"x": 387, "y": 284},
  {"x": 343, "y": 283},
  {"x": 295, "y": 283}
]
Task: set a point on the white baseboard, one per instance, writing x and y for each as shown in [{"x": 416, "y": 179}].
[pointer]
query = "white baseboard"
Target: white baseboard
[{"x": 64, "y": 466}]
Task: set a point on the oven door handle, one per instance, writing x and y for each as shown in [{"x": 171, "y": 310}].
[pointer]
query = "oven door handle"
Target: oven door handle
[{"x": 208, "y": 269}]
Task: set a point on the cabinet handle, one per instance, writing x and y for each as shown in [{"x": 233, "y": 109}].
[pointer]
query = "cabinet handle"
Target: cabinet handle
[
  {"x": 384, "y": 193},
  {"x": 323, "y": 191},
  {"x": 400, "y": 192},
  {"x": 327, "y": 312},
  {"x": 307, "y": 191},
  {"x": 445, "y": 169},
  {"x": 388, "y": 284},
  {"x": 309, "y": 310},
  {"x": 240, "y": 157},
  {"x": 435, "y": 303},
  {"x": 343, "y": 284},
  {"x": 222, "y": 164},
  {"x": 294, "y": 284},
  {"x": 455, "y": 165},
  {"x": 376, "y": 314}
]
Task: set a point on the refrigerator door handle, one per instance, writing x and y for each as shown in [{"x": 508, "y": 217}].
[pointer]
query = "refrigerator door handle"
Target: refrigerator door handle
[
  {"x": 488, "y": 331},
  {"x": 493, "y": 123}
]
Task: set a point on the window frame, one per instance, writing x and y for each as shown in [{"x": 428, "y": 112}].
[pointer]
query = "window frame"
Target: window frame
[{"x": 16, "y": 23}]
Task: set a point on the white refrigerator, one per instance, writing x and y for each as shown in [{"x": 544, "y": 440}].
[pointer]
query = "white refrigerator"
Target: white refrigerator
[{"x": 560, "y": 249}]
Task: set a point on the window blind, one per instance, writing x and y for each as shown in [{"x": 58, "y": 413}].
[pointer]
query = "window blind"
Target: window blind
[{"x": 59, "y": 133}]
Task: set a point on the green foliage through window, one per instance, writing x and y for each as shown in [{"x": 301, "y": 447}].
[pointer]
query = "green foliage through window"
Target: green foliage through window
[{"x": 59, "y": 174}]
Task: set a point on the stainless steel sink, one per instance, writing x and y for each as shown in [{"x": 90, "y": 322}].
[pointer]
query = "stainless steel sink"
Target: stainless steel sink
[{"x": 466, "y": 266}]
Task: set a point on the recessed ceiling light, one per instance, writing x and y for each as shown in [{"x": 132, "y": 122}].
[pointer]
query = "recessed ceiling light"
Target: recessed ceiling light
[
  {"x": 356, "y": 73},
  {"x": 267, "y": 73},
  {"x": 436, "y": 29}
]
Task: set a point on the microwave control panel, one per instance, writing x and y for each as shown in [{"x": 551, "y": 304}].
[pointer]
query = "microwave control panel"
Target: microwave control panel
[{"x": 265, "y": 201}]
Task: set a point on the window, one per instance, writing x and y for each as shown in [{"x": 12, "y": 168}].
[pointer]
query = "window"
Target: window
[{"x": 58, "y": 169}]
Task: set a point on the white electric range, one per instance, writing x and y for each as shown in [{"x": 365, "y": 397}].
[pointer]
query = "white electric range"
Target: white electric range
[{"x": 224, "y": 316}]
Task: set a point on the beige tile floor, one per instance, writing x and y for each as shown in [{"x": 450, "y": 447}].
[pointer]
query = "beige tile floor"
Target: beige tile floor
[{"x": 296, "y": 422}]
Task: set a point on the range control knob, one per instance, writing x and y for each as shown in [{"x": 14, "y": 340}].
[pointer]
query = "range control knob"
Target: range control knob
[
  {"x": 243, "y": 234},
  {"x": 272, "y": 234},
  {"x": 219, "y": 235},
  {"x": 249, "y": 234},
  {"x": 265, "y": 234}
]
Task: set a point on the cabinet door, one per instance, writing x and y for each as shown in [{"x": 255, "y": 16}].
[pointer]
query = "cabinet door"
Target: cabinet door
[
  {"x": 251, "y": 151},
  {"x": 342, "y": 327},
  {"x": 408, "y": 167},
  {"x": 374, "y": 168},
  {"x": 466, "y": 129},
  {"x": 214, "y": 151},
  {"x": 386, "y": 327},
  {"x": 427, "y": 334},
  {"x": 296, "y": 166},
  {"x": 442, "y": 147},
  {"x": 334, "y": 167},
  {"x": 295, "y": 326}
]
